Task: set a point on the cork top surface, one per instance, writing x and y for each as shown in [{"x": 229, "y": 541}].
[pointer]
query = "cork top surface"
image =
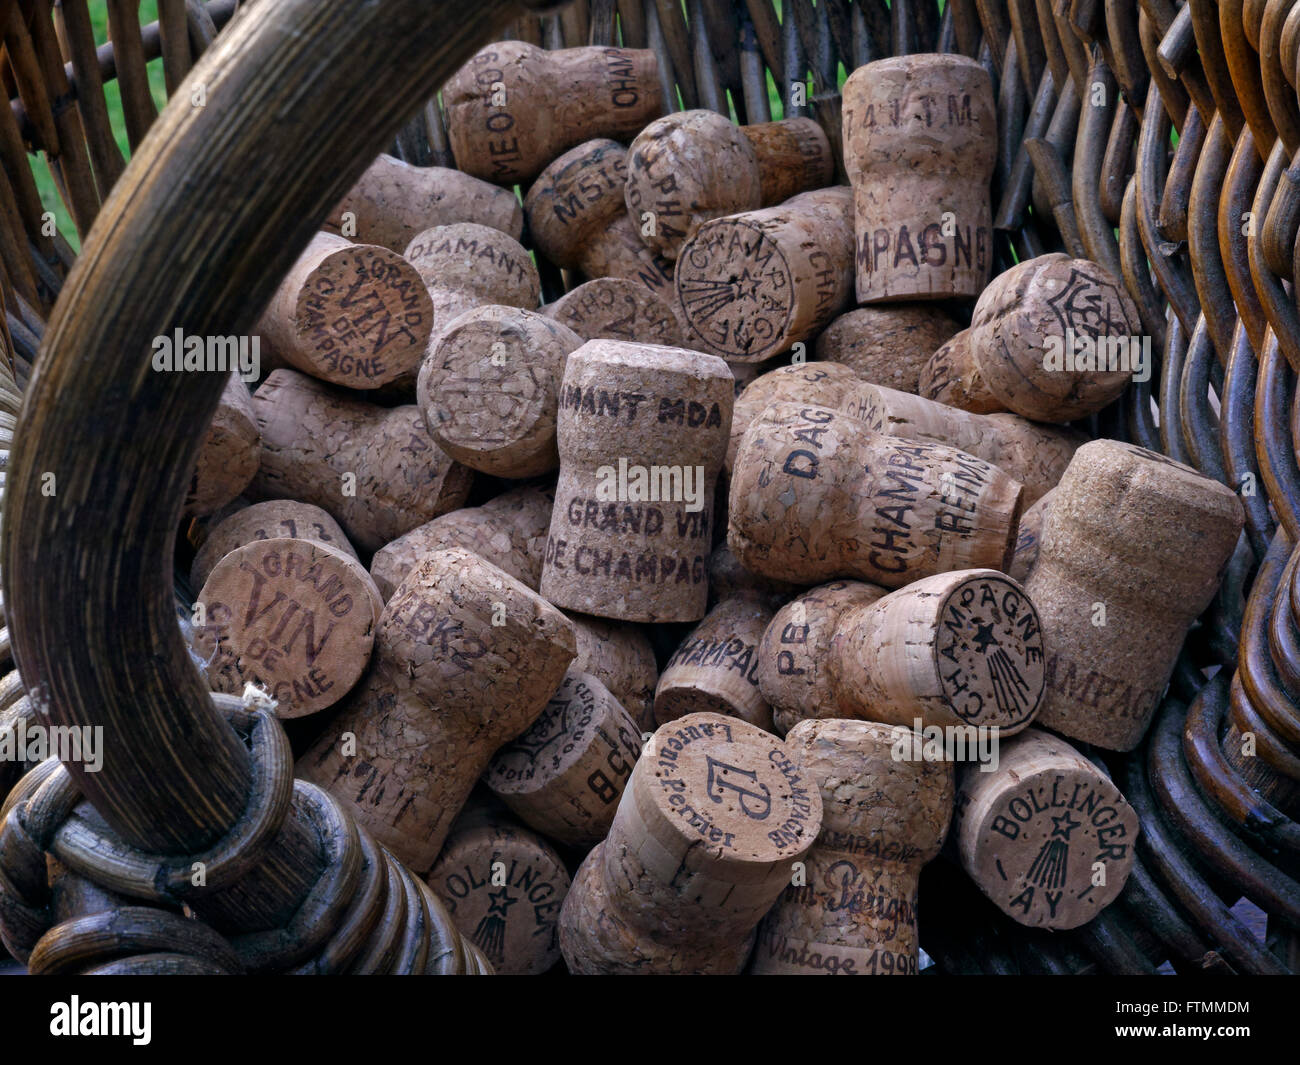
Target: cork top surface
[
  {"x": 1133, "y": 469},
  {"x": 737, "y": 288},
  {"x": 491, "y": 375},
  {"x": 615, "y": 308},
  {"x": 296, "y": 617},
  {"x": 555, "y": 741},
  {"x": 989, "y": 650},
  {"x": 363, "y": 316},
  {"x": 732, "y": 786},
  {"x": 1033, "y": 833},
  {"x": 656, "y": 357}
]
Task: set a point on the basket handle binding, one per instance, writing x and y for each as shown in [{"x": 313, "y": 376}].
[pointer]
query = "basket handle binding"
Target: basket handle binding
[{"x": 212, "y": 210}]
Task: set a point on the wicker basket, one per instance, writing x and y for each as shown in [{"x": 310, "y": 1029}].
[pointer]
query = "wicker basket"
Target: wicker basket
[{"x": 222, "y": 198}]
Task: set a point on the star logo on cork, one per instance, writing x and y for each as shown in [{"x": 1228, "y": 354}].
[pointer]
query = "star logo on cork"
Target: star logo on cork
[
  {"x": 990, "y": 653},
  {"x": 1070, "y": 824},
  {"x": 501, "y": 901}
]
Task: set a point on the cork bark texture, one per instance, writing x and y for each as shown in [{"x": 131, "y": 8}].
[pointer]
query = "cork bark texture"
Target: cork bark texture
[
  {"x": 265, "y": 521},
  {"x": 490, "y": 387},
  {"x": 508, "y": 531},
  {"x": 920, "y": 139},
  {"x": 751, "y": 285},
  {"x": 887, "y": 345},
  {"x": 960, "y": 648},
  {"x": 816, "y": 495},
  {"x": 794, "y": 156},
  {"x": 823, "y": 384},
  {"x": 578, "y": 219},
  {"x": 614, "y": 308},
  {"x": 514, "y": 107},
  {"x": 622, "y": 658},
  {"x": 715, "y": 670},
  {"x": 466, "y": 266},
  {"x": 685, "y": 169},
  {"x": 794, "y": 653},
  {"x": 566, "y": 773},
  {"x": 314, "y": 437},
  {"x": 632, "y": 418},
  {"x": 355, "y": 315},
  {"x": 883, "y": 819},
  {"x": 1035, "y": 455},
  {"x": 230, "y": 454},
  {"x": 448, "y": 688},
  {"x": 393, "y": 201},
  {"x": 1133, "y": 548},
  {"x": 1053, "y": 304},
  {"x": 1048, "y": 837}
]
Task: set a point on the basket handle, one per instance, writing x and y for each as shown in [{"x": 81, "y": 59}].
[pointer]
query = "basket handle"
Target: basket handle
[{"x": 214, "y": 208}]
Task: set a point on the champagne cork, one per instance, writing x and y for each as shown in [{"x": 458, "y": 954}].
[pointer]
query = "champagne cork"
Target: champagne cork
[
  {"x": 514, "y": 107},
  {"x": 642, "y": 434},
  {"x": 503, "y": 887},
  {"x": 266, "y": 521},
  {"x": 1035, "y": 455},
  {"x": 715, "y": 669},
  {"x": 1047, "y": 836},
  {"x": 953, "y": 377},
  {"x": 508, "y": 531},
  {"x": 230, "y": 454},
  {"x": 705, "y": 839},
  {"x": 1053, "y": 339},
  {"x": 692, "y": 166},
  {"x": 752, "y": 285},
  {"x": 295, "y": 617},
  {"x": 794, "y": 653},
  {"x": 578, "y": 220},
  {"x": 1132, "y": 551},
  {"x": 920, "y": 140},
  {"x": 954, "y": 649},
  {"x": 816, "y": 495},
  {"x": 794, "y": 155},
  {"x": 622, "y": 658},
  {"x": 466, "y": 266},
  {"x": 821, "y": 384},
  {"x": 599, "y": 938},
  {"x": 375, "y": 469},
  {"x": 1028, "y": 538},
  {"x": 613, "y": 308},
  {"x": 355, "y": 315},
  {"x": 887, "y": 345},
  {"x": 883, "y": 818},
  {"x": 448, "y": 687},
  {"x": 393, "y": 201},
  {"x": 490, "y": 388},
  {"x": 565, "y": 774}
]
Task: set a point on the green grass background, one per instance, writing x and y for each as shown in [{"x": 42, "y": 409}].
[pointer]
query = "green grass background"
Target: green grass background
[{"x": 44, "y": 181}]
